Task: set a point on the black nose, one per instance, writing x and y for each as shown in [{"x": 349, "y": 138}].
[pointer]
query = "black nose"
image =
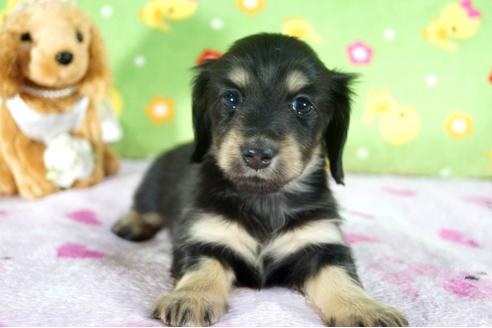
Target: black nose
[
  {"x": 64, "y": 57},
  {"x": 258, "y": 158}
]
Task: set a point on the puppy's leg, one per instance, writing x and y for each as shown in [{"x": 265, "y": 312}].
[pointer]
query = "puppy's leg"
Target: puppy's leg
[
  {"x": 147, "y": 216},
  {"x": 200, "y": 296},
  {"x": 342, "y": 301},
  {"x": 143, "y": 221},
  {"x": 315, "y": 259},
  {"x": 135, "y": 226}
]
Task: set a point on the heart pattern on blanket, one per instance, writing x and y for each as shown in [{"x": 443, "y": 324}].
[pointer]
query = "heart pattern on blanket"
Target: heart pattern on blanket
[
  {"x": 3, "y": 213},
  {"x": 399, "y": 192},
  {"x": 353, "y": 238},
  {"x": 362, "y": 214},
  {"x": 78, "y": 251},
  {"x": 84, "y": 216},
  {"x": 479, "y": 200},
  {"x": 457, "y": 238}
]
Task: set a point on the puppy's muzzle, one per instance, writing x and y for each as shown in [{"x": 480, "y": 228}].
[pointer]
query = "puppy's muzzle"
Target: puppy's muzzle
[{"x": 258, "y": 156}]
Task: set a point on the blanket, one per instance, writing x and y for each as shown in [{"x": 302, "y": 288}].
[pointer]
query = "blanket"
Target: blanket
[{"x": 421, "y": 245}]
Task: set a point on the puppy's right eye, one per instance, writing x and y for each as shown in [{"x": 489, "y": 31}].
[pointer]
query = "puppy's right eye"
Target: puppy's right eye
[
  {"x": 232, "y": 99},
  {"x": 26, "y": 37}
]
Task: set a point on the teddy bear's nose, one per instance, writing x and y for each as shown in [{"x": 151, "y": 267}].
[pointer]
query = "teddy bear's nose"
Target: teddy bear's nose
[{"x": 64, "y": 57}]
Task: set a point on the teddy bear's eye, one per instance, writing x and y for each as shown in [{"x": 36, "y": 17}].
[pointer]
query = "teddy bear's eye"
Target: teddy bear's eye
[
  {"x": 79, "y": 37},
  {"x": 26, "y": 37}
]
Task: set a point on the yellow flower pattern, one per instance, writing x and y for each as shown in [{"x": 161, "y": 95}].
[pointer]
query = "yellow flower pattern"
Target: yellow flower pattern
[
  {"x": 251, "y": 7},
  {"x": 300, "y": 28},
  {"x": 160, "y": 110},
  {"x": 459, "y": 125},
  {"x": 398, "y": 124}
]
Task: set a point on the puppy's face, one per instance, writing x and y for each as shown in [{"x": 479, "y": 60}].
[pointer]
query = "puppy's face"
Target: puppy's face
[
  {"x": 267, "y": 109},
  {"x": 54, "y": 43}
]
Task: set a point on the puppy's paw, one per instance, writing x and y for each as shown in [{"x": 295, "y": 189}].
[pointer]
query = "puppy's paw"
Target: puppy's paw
[
  {"x": 137, "y": 227},
  {"x": 363, "y": 312},
  {"x": 190, "y": 308}
]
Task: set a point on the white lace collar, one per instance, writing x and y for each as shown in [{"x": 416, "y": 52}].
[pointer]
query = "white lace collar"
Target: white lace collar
[
  {"x": 45, "y": 127},
  {"x": 46, "y": 93}
]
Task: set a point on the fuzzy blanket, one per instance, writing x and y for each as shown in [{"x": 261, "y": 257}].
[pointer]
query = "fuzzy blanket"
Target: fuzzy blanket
[{"x": 422, "y": 245}]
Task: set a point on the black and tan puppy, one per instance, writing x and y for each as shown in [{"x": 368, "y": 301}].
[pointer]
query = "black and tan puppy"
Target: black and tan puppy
[{"x": 248, "y": 203}]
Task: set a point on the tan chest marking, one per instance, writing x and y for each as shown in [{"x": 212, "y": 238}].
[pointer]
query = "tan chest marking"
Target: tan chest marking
[
  {"x": 215, "y": 229},
  {"x": 312, "y": 233}
]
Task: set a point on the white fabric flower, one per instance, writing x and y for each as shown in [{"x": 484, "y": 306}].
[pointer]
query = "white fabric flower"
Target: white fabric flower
[{"x": 68, "y": 158}]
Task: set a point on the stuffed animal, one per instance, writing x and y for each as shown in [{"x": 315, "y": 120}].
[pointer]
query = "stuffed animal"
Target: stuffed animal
[{"x": 54, "y": 74}]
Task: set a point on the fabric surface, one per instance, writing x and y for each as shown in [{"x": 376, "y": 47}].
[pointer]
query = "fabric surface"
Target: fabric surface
[
  {"x": 421, "y": 245},
  {"x": 425, "y": 71}
]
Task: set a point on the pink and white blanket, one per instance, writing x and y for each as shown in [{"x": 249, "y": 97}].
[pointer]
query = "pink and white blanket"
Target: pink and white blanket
[{"x": 422, "y": 245}]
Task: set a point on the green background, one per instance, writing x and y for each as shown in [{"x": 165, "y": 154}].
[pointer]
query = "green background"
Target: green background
[{"x": 399, "y": 65}]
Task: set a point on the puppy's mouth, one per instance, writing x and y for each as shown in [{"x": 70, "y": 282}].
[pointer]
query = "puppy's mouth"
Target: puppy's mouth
[{"x": 256, "y": 185}]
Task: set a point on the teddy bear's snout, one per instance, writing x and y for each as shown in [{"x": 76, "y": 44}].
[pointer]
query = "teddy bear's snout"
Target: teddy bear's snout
[{"x": 64, "y": 57}]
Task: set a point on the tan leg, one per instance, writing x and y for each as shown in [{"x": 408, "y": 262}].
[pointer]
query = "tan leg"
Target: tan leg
[
  {"x": 342, "y": 302},
  {"x": 7, "y": 182},
  {"x": 24, "y": 158},
  {"x": 90, "y": 130},
  {"x": 138, "y": 227},
  {"x": 31, "y": 176},
  {"x": 111, "y": 161},
  {"x": 200, "y": 296}
]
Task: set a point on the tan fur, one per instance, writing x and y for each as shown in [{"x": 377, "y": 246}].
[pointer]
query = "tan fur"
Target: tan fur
[
  {"x": 200, "y": 296},
  {"x": 300, "y": 184},
  {"x": 240, "y": 77},
  {"x": 291, "y": 155},
  {"x": 289, "y": 158},
  {"x": 216, "y": 229},
  {"x": 52, "y": 26},
  {"x": 142, "y": 225},
  {"x": 315, "y": 232},
  {"x": 342, "y": 302},
  {"x": 228, "y": 150},
  {"x": 295, "y": 81}
]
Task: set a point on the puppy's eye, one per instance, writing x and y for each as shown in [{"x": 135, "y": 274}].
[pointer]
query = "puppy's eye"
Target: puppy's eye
[
  {"x": 26, "y": 37},
  {"x": 301, "y": 105},
  {"x": 232, "y": 99},
  {"x": 79, "y": 37}
]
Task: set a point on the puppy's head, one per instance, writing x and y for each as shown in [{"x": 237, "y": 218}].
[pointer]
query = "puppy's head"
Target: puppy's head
[
  {"x": 267, "y": 109},
  {"x": 50, "y": 44}
]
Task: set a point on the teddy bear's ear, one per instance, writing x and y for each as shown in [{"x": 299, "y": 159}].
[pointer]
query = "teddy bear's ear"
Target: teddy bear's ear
[
  {"x": 10, "y": 72},
  {"x": 97, "y": 80}
]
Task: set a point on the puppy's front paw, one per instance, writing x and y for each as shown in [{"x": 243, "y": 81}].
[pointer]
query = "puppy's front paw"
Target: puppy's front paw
[
  {"x": 190, "y": 308},
  {"x": 363, "y": 312}
]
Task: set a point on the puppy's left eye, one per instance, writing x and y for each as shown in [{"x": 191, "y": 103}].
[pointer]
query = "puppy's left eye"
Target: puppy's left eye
[
  {"x": 232, "y": 99},
  {"x": 301, "y": 105},
  {"x": 79, "y": 37}
]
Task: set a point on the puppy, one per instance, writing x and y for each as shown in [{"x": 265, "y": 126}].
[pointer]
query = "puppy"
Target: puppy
[{"x": 252, "y": 207}]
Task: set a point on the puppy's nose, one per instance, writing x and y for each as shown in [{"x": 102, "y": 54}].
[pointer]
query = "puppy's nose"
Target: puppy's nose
[
  {"x": 64, "y": 57},
  {"x": 258, "y": 158}
]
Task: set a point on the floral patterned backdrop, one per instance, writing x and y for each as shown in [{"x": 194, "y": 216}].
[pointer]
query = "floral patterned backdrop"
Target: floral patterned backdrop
[{"x": 424, "y": 99}]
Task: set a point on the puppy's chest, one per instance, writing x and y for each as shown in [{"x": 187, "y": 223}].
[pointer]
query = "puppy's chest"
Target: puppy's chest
[{"x": 257, "y": 257}]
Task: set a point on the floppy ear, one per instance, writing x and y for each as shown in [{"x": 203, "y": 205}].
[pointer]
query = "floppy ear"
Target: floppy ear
[
  {"x": 201, "y": 119},
  {"x": 337, "y": 129},
  {"x": 97, "y": 79},
  {"x": 10, "y": 71}
]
